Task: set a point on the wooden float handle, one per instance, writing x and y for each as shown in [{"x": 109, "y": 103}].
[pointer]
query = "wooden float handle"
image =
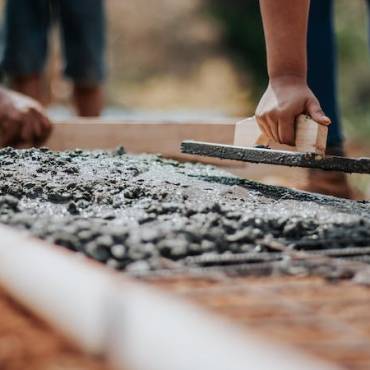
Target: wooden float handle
[{"x": 311, "y": 137}]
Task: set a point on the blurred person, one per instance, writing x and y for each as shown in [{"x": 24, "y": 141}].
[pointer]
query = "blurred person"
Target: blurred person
[
  {"x": 302, "y": 79},
  {"x": 322, "y": 79},
  {"x": 82, "y": 26},
  {"x": 22, "y": 120},
  {"x": 242, "y": 27}
]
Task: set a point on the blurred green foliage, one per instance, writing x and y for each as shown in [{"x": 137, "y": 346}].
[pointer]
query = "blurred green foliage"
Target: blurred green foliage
[
  {"x": 241, "y": 24},
  {"x": 354, "y": 67}
]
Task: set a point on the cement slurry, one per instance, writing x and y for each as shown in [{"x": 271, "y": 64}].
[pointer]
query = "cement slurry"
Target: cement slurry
[{"x": 144, "y": 212}]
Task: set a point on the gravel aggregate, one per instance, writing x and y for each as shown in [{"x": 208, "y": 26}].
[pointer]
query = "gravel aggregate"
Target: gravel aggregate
[{"x": 143, "y": 212}]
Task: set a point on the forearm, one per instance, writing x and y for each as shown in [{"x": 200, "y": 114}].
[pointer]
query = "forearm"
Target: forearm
[{"x": 285, "y": 26}]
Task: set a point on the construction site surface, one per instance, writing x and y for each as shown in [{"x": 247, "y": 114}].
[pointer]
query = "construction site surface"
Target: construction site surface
[{"x": 290, "y": 266}]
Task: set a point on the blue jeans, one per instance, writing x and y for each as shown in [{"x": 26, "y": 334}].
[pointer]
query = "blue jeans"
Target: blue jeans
[
  {"x": 322, "y": 64},
  {"x": 82, "y": 25}
]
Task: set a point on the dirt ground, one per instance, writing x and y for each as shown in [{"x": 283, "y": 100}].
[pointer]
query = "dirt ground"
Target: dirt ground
[
  {"x": 329, "y": 320},
  {"x": 26, "y": 343}
]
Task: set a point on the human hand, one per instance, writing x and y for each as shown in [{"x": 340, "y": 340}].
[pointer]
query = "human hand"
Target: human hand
[
  {"x": 284, "y": 100},
  {"x": 22, "y": 120}
]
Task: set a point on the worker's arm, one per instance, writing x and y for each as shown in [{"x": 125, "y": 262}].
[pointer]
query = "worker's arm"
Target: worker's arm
[
  {"x": 287, "y": 95},
  {"x": 22, "y": 120}
]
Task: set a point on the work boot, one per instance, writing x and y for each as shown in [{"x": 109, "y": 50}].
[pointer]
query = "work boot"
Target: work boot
[{"x": 328, "y": 182}]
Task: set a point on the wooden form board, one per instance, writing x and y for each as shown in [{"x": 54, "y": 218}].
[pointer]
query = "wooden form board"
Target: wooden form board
[
  {"x": 129, "y": 323},
  {"x": 154, "y": 137},
  {"x": 311, "y": 137}
]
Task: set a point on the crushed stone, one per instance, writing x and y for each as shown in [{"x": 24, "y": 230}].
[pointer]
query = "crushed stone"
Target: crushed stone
[{"x": 143, "y": 211}]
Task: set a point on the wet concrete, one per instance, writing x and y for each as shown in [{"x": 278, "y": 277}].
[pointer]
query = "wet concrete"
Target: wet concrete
[
  {"x": 139, "y": 213},
  {"x": 277, "y": 157}
]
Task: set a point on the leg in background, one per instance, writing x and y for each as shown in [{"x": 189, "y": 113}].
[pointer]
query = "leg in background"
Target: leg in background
[
  {"x": 83, "y": 30},
  {"x": 322, "y": 78},
  {"x": 30, "y": 85},
  {"x": 89, "y": 100},
  {"x": 26, "y": 27},
  {"x": 322, "y": 65}
]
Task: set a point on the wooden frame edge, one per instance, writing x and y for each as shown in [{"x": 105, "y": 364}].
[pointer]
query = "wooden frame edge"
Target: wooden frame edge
[{"x": 152, "y": 137}]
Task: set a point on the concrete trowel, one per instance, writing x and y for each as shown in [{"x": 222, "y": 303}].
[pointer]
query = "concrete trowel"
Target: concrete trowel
[{"x": 250, "y": 145}]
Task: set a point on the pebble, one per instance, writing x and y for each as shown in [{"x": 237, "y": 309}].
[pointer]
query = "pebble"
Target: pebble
[
  {"x": 118, "y": 251},
  {"x": 73, "y": 209},
  {"x": 97, "y": 252},
  {"x": 105, "y": 241}
]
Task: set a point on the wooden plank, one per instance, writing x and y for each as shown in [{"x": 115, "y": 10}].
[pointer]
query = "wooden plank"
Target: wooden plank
[
  {"x": 277, "y": 157},
  {"x": 154, "y": 137},
  {"x": 310, "y": 136}
]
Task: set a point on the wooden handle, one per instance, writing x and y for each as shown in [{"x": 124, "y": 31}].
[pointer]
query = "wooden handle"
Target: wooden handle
[{"x": 311, "y": 137}]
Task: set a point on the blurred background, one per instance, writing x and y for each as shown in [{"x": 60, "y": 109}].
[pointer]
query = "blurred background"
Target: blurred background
[
  {"x": 205, "y": 59},
  {"x": 207, "y": 56}
]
